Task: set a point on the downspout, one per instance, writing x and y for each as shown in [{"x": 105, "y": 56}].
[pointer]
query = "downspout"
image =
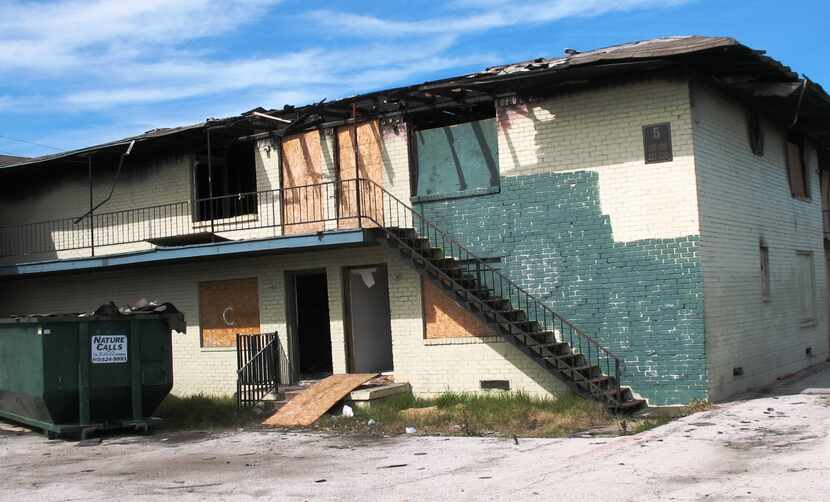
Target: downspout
[
  {"x": 114, "y": 183},
  {"x": 800, "y": 99}
]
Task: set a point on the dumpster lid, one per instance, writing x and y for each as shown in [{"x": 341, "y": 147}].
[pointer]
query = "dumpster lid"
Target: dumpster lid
[{"x": 172, "y": 316}]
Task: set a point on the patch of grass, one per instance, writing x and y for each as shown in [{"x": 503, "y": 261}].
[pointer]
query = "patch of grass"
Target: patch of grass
[
  {"x": 648, "y": 424},
  {"x": 501, "y": 414},
  {"x": 202, "y": 412},
  {"x": 698, "y": 405}
]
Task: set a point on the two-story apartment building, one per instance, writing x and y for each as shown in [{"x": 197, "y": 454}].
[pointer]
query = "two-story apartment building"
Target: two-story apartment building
[{"x": 646, "y": 215}]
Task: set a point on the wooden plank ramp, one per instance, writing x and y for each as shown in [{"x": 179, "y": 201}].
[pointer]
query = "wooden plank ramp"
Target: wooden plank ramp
[{"x": 308, "y": 406}]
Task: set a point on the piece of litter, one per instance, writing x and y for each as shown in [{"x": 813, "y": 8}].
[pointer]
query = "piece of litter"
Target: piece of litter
[
  {"x": 347, "y": 411},
  {"x": 411, "y": 430},
  {"x": 371, "y": 422},
  {"x": 320, "y": 481},
  {"x": 392, "y": 466}
]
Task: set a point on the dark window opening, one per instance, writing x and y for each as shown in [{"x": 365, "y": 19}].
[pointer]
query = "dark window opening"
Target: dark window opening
[
  {"x": 657, "y": 143},
  {"x": 756, "y": 133},
  {"x": 455, "y": 152},
  {"x": 797, "y": 168},
  {"x": 228, "y": 188}
]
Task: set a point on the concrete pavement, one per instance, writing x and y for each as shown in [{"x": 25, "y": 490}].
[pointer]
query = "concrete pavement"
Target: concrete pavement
[{"x": 767, "y": 447}]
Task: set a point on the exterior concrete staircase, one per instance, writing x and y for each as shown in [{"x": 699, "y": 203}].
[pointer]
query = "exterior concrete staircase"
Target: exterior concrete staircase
[{"x": 543, "y": 335}]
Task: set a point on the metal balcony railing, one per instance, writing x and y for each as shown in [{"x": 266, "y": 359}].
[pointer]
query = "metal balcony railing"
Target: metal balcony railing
[{"x": 293, "y": 210}]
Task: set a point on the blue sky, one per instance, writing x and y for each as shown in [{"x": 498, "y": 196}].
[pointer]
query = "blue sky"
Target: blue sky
[{"x": 80, "y": 72}]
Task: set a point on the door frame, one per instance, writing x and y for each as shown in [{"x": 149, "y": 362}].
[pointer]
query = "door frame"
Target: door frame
[
  {"x": 347, "y": 311},
  {"x": 293, "y": 349}
]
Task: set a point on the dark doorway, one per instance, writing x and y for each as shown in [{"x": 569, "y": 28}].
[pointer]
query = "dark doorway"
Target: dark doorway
[
  {"x": 309, "y": 328},
  {"x": 370, "y": 325}
]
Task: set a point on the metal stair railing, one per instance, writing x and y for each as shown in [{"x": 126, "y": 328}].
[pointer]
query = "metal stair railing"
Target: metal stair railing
[
  {"x": 390, "y": 213},
  {"x": 258, "y": 368}
]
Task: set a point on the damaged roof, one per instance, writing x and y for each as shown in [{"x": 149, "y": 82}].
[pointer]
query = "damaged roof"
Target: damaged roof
[
  {"x": 8, "y": 160},
  {"x": 237, "y": 125},
  {"x": 741, "y": 71}
]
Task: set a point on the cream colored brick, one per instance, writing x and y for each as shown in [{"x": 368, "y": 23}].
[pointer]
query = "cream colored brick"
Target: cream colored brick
[{"x": 745, "y": 199}]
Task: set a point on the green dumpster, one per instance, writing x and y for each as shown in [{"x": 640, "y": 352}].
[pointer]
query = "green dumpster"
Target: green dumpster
[{"x": 75, "y": 373}]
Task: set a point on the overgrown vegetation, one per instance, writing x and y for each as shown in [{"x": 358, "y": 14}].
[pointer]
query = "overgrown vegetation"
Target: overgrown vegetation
[
  {"x": 201, "y": 412},
  {"x": 503, "y": 414}
]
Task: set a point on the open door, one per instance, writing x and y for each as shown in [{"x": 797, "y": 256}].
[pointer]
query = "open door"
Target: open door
[
  {"x": 370, "y": 325},
  {"x": 309, "y": 331}
]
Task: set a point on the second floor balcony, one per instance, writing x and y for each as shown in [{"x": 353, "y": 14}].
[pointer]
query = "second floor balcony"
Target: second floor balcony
[{"x": 303, "y": 210}]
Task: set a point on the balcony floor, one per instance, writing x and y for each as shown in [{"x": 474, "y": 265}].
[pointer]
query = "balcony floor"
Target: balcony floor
[{"x": 276, "y": 245}]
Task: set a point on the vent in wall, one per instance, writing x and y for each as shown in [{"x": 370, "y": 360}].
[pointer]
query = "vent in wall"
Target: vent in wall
[
  {"x": 494, "y": 384},
  {"x": 738, "y": 371}
]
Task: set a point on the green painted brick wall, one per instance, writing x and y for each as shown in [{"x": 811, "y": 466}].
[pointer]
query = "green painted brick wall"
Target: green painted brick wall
[{"x": 643, "y": 300}]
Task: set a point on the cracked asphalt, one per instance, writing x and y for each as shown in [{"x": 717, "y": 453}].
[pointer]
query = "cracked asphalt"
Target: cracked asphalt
[{"x": 771, "y": 446}]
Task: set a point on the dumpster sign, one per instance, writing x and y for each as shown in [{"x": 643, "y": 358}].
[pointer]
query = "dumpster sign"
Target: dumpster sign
[{"x": 109, "y": 347}]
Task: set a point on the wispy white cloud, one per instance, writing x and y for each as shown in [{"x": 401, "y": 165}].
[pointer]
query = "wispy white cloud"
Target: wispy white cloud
[
  {"x": 135, "y": 65},
  {"x": 52, "y": 37},
  {"x": 479, "y": 15}
]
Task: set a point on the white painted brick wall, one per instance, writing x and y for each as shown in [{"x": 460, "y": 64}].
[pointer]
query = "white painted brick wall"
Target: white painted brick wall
[
  {"x": 600, "y": 130},
  {"x": 429, "y": 368},
  {"x": 743, "y": 199}
]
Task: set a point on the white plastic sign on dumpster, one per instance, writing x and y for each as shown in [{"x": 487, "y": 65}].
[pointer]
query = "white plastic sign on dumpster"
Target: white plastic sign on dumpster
[{"x": 109, "y": 348}]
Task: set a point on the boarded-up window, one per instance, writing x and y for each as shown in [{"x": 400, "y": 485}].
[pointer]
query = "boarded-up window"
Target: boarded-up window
[
  {"x": 304, "y": 200},
  {"x": 445, "y": 318},
  {"x": 797, "y": 169},
  {"x": 371, "y": 154},
  {"x": 227, "y": 308},
  {"x": 806, "y": 286},
  {"x": 457, "y": 160},
  {"x": 756, "y": 133},
  {"x": 764, "y": 272}
]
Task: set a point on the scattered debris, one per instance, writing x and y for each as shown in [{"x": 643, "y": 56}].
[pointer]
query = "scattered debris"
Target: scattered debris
[
  {"x": 347, "y": 411},
  {"x": 410, "y": 430}
]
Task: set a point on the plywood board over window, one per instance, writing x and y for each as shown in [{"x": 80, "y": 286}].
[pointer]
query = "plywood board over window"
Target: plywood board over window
[
  {"x": 445, "y": 318},
  {"x": 797, "y": 169},
  {"x": 227, "y": 308},
  {"x": 460, "y": 159},
  {"x": 370, "y": 163},
  {"x": 806, "y": 287},
  {"x": 304, "y": 200}
]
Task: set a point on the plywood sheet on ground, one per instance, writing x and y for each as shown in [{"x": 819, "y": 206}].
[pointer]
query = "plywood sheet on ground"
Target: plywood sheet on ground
[{"x": 308, "y": 406}]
